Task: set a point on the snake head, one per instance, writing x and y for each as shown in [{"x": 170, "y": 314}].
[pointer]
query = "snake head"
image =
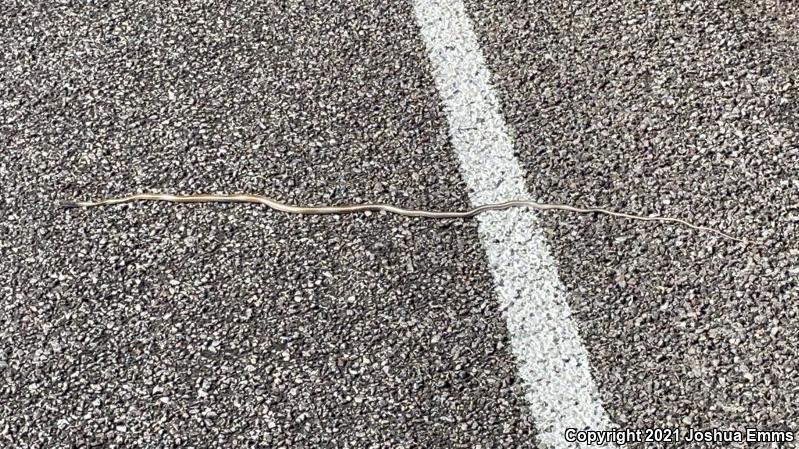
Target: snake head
[{"x": 67, "y": 204}]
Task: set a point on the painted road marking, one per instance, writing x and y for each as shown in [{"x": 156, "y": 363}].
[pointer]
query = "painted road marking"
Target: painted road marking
[{"x": 552, "y": 360}]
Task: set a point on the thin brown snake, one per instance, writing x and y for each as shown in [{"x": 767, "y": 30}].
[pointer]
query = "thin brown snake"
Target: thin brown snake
[{"x": 325, "y": 210}]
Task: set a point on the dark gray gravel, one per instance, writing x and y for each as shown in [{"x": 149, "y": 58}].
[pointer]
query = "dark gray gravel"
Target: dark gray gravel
[
  {"x": 675, "y": 108},
  {"x": 231, "y": 326}
]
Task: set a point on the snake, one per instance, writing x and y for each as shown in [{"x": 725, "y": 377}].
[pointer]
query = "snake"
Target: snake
[{"x": 379, "y": 207}]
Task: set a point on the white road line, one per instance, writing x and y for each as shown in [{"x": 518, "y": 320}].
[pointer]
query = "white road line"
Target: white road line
[{"x": 552, "y": 360}]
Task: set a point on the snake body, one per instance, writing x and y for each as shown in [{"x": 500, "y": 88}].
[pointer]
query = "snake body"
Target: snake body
[{"x": 377, "y": 207}]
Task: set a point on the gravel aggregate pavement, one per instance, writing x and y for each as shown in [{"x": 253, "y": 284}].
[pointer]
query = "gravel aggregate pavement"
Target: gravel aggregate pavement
[{"x": 157, "y": 325}]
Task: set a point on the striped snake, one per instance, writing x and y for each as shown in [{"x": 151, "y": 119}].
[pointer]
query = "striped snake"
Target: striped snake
[{"x": 375, "y": 207}]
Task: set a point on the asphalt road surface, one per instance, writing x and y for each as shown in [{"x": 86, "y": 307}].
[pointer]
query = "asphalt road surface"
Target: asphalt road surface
[{"x": 158, "y": 326}]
